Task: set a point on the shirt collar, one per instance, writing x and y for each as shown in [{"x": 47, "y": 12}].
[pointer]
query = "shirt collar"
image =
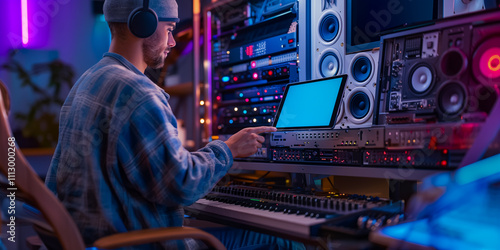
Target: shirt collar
[
  {"x": 131, "y": 67},
  {"x": 124, "y": 62}
]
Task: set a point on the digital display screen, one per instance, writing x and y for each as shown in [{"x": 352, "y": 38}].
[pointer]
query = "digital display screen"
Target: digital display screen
[
  {"x": 312, "y": 104},
  {"x": 367, "y": 19}
]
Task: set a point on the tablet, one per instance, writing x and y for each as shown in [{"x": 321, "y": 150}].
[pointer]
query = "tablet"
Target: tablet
[{"x": 310, "y": 105}]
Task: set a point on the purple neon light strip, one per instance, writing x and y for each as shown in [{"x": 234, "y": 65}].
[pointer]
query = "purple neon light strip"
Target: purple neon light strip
[{"x": 24, "y": 15}]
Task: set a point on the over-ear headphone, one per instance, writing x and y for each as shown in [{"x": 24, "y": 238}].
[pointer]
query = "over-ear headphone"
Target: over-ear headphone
[{"x": 142, "y": 21}]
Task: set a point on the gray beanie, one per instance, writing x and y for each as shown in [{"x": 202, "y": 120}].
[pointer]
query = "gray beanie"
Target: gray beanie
[{"x": 118, "y": 11}]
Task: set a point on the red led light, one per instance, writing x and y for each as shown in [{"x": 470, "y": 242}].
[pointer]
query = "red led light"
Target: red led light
[
  {"x": 270, "y": 72},
  {"x": 445, "y": 151},
  {"x": 494, "y": 63},
  {"x": 218, "y": 98},
  {"x": 284, "y": 70},
  {"x": 249, "y": 50},
  {"x": 265, "y": 90},
  {"x": 444, "y": 163},
  {"x": 235, "y": 79},
  {"x": 255, "y": 76},
  {"x": 258, "y": 93},
  {"x": 489, "y": 63},
  {"x": 290, "y": 40},
  {"x": 253, "y": 64},
  {"x": 246, "y": 100},
  {"x": 409, "y": 158}
]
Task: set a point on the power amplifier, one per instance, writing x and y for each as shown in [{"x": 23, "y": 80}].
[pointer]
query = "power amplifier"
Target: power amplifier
[{"x": 332, "y": 139}]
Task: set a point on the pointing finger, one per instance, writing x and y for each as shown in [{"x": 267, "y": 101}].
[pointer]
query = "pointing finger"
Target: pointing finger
[
  {"x": 263, "y": 129},
  {"x": 261, "y": 139}
]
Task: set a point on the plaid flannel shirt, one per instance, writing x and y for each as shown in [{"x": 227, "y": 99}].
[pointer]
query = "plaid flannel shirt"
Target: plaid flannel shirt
[{"x": 119, "y": 164}]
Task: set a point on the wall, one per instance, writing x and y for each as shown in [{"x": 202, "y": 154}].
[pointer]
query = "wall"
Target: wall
[
  {"x": 67, "y": 28},
  {"x": 78, "y": 36}
]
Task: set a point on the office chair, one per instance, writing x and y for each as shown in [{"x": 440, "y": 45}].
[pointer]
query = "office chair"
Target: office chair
[{"x": 62, "y": 227}]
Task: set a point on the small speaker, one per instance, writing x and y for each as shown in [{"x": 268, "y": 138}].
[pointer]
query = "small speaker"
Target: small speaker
[
  {"x": 359, "y": 106},
  {"x": 362, "y": 69},
  {"x": 327, "y": 34},
  {"x": 486, "y": 61},
  {"x": 451, "y": 98},
  {"x": 421, "y": 79}
]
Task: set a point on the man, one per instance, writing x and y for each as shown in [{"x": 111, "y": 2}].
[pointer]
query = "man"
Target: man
[{"x": 119, "y": 164}]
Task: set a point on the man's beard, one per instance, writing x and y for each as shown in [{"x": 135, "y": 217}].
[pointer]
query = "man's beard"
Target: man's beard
[{"x": 152, "y": 52}]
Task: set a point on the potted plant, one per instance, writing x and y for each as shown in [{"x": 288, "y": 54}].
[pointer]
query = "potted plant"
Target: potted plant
[{"x": 41, "y": 124}]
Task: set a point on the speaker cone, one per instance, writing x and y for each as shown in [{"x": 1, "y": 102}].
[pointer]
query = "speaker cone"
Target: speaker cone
[
  {"x": 452, "y": 98},
  {"x": 486, "y": 65},
  {"x": 359, "y": 105},
  {"x": 329, "y": 64},
  {"x": 361, "y": 69},
  {"x": 329, "y": 27},
  {"x": 421, "y": 79},
  {"x": 453, "y": 62}
]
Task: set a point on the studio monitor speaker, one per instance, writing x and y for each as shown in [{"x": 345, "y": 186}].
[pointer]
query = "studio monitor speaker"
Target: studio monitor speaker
[
  {"x": 359, "y": 95},
  {"x": 327, "y": 34},
  {"x": 443, "y": 73}
]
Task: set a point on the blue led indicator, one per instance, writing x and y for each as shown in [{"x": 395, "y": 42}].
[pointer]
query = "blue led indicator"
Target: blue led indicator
[
  {"x": 244, "y": 111},
  {"x": 225, "y": 79},
  {"x": 231, "y": 121},
  {"x": 265, "y": 110},
  {"x": 241, "y": 94}
]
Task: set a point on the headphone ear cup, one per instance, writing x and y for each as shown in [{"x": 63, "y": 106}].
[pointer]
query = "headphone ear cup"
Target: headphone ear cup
[{"x": 142, "y": 22}]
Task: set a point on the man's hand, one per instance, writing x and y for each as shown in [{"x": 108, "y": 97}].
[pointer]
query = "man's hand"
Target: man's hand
[
  {"x": 247, "y": 141},
  {"x": 421, "y": 200}
]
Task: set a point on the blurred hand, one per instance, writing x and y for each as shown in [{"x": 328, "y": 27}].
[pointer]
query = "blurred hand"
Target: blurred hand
[
  {"x": 247, "y": 141},
  {"x": 421, "y": 200}
]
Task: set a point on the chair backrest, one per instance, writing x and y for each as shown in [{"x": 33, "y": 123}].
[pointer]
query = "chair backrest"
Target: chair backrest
[{"x": 17, "y": 169}]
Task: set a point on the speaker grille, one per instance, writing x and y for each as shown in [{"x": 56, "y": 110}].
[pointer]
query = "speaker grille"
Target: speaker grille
[
  {"x": 453, "y": 62},
  {"x": 329, "y": 27},
  {"x": 421, "y": 79},
  {"x": 486, "y": 64},
  {"x": 452, "y": 98},
  {"x": 359, "y": 105},
  {"x": 329, "y": 64},
  {"x": 361, "y": 69}
]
